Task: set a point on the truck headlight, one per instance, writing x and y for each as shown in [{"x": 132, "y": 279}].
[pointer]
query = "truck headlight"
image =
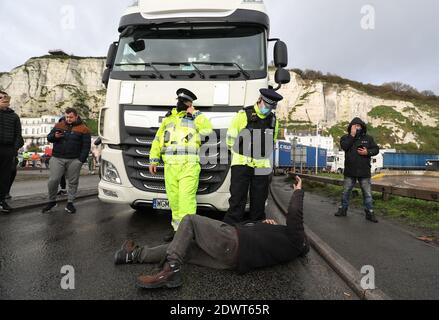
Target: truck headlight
[{"x": 109, "y": 173}]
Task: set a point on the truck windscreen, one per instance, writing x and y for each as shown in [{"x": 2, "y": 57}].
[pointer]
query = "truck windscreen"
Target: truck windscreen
[{"x": 195, "y": 48}]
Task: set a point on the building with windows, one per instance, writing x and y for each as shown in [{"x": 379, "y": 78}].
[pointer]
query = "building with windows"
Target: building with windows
[
  {"x": 312, "y": 141},
  {"x": 35, "y": 130}
]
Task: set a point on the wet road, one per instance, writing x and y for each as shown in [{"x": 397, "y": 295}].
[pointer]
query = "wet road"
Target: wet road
[
  {"x": 34, "y": 248},
  {"x": 418, "y": 182}
]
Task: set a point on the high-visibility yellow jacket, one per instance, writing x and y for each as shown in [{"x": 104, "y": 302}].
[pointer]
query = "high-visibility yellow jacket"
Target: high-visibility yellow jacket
[
  {"x": 238, "y": 124},
  {"x": 178, "y": 139}
]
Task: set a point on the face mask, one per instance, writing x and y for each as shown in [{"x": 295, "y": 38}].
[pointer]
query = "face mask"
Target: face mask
[
  {"x": 181, "y": 106},
  {"x": 265, "y": 110}
]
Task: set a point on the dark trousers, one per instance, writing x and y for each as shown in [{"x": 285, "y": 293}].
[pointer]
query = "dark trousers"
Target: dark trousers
[
  {"x": 13, "y": 174},
  {"x": 243, "y": 180},
  {"x": 199, "y": 240},
  {"x": 7, "y": 154}
]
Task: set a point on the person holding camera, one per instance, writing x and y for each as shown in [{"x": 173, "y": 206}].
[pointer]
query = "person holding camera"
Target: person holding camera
[
  {"x": 71, "y": 144},
  {"x": 359, "y": 147}
]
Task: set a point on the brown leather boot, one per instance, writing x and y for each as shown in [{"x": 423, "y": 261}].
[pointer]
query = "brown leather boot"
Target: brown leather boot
[
  {"x": 169, "y": 277},
  {"x": 126, "y": 254}
]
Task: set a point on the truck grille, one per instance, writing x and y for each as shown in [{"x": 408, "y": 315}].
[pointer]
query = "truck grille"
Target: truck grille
[{"x": 136, "y": 147}]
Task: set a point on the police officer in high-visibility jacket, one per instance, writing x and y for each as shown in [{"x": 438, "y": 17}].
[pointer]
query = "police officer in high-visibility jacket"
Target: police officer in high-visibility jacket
[
  {"x": 177, "y": 143},
  {"x": 251, "y": 138}
]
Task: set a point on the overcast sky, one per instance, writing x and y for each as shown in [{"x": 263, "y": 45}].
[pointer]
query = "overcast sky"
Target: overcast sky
[{"x": 398, "y": 43}]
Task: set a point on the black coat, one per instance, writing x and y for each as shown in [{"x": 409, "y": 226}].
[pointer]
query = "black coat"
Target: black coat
[
  {"x": 357, "y": 166},
  {"x": 264, "y": 245},
  {"x": 10, "y": 129},
  {"x": 76, "y": 142}
]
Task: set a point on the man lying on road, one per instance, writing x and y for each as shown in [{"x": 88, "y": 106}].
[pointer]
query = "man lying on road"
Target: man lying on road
[{"x": 215, "y": 244}]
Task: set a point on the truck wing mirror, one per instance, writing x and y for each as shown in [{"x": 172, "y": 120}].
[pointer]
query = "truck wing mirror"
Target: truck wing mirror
[
  {"x": 106, "y": 77},
  {"x": 282, "y": 76},
  {"x": 111, "y": 55},
  {"x": 280, "y": 54}
]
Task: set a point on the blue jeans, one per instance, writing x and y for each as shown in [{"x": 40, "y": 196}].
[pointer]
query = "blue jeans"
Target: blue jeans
[{"x": 366, "y": 188}]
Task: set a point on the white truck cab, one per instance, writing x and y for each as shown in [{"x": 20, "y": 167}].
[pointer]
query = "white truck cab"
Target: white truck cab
[{"x": 216, "y": 49}]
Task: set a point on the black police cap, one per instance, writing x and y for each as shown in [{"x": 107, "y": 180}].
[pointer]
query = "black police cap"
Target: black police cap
[
  {"x": 186, "y": 94},
  {"x": 270, "y": 96}
]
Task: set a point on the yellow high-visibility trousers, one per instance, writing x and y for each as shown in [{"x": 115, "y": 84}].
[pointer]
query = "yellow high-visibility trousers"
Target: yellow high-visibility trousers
[{"x": 181, "y": 182}]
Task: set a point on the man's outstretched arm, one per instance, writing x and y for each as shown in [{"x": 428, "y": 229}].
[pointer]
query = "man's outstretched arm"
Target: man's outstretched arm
[{"x": 295, "y": 209}]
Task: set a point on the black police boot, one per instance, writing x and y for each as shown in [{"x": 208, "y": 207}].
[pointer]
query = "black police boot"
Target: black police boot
[
  {"x": 169, "y": 237},
  {"x": 342, "y": 212},
  {"x": 126, "y": 254},
  {"x": 370, "y": 215}
]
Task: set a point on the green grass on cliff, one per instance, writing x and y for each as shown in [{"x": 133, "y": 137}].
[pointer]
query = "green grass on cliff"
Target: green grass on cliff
[{"x": 427, "y": 137}]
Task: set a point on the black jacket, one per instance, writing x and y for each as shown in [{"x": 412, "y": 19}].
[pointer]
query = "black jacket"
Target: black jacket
[
  {"x": 76, "y": 142},
  {"x": 357, "y": 166},
  {"x": 264, "y": 245},
  {"x": 10, "y": 129}
]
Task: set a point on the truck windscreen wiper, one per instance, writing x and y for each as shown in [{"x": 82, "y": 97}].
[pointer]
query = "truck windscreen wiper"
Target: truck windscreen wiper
[
  {"x": 200, "y": 73},
  {"x": 230, "y": 75},
  {"x": 151, "y": 65},
  {"x": 226, "y": 64}
]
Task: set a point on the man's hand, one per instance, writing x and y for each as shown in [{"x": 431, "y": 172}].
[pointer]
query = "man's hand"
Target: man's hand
[
  {"x": 354, "y": 131},
  {"x": 153, "y": 169},
  {"x": 363, "y": 151},
  {"x": 191, "y": 110},
  {"x": 298, "y": 184},
  {"x": 270, "y": 221},
  {"x": 59, "y": 134}
]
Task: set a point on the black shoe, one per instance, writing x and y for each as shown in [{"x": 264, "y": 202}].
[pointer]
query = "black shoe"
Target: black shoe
[
  {"x": 169, "y": 237},
  {"x": 62, "y": 192},
  {"x": 70, "y": 208},
  {"x": 370, "y": 215},
  {"x": 4, "y": 207},
  {"x": 8, "y": 197},
  {"x": 168, "y": 277},
  {"x": 49, "y": 207},
  {"x": 126, "y": 254},
  {"x": 342, "y": 212}
]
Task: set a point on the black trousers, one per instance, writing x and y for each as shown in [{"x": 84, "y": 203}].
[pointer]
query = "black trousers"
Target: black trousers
[
  {"x": 7, "y": 154},
  {"x": 243, "y": 180},
  {"x": 13, "y": 174}
]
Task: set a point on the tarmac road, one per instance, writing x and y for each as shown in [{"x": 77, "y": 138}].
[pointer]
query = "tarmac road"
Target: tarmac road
[
  {"x": 418, "y": 182},
  {"x": 34, "y": 247}
]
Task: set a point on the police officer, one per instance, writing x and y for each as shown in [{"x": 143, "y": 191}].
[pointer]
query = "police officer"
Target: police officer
[
  {"x": 177, "y": 143},
  {"x": 251, "y": 139}
]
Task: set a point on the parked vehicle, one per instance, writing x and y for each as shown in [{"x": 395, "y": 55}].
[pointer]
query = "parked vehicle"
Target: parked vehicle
[
  {"x": 301, "y": 158},
  {"x": 218, "y": 50},
  {"x": 407, "y": 161}
]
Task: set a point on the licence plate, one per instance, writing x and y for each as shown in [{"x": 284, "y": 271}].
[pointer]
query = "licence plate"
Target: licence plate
[{"x": 161, "y": 204}]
